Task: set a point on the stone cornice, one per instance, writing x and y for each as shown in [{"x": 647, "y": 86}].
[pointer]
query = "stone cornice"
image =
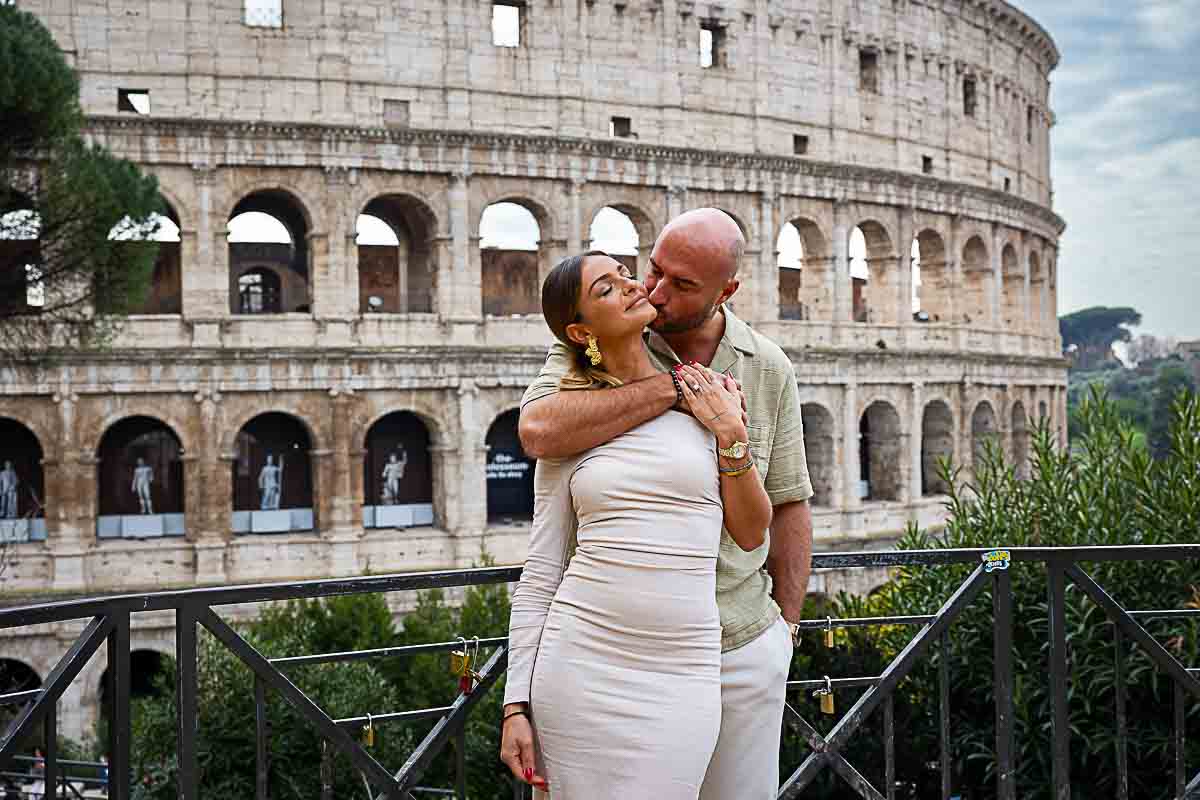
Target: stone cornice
[
  {"x": 543, "y": 145},
  {"x": 1023, "y": 28}
]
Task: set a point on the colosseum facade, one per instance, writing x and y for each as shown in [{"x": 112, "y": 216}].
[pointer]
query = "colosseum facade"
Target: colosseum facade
[{"x": 917, "y": 128}]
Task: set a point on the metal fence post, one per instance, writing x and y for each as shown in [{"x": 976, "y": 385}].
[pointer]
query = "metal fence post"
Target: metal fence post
[
  {"x": 1003, "y": 683},
  {"x": 1061, "y": 745},
  {"x": 261, "y": 735},
  {"x": 185, "y": 698},
  {"x": 119, "y": 724}
]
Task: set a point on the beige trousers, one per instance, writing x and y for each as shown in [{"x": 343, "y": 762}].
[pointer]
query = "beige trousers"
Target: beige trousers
[{"x": 745, "y": 765}]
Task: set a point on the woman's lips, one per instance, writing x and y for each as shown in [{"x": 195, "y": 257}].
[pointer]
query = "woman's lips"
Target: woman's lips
[{"x": 635, "y": 303}]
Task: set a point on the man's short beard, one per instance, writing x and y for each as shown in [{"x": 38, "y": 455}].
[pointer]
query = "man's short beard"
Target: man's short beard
[{"x": 662, "y": 326}]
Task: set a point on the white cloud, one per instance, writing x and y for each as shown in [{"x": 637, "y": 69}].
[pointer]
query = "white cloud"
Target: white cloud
[{"x": 1169, "y": 24}]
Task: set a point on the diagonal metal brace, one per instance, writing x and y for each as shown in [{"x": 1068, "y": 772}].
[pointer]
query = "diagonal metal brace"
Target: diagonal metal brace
[
  {"x": 1131, "y": 628},
  {"x": 448, "y": 725},
  {"x": 895, "y": 672},
  {"x": 307, "y": 709},
  {"x": 65, "y": 671},
  {"x": 858, "y": 782}
]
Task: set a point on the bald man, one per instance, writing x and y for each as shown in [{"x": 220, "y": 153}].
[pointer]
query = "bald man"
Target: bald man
[{"x": 760, "y": 594}]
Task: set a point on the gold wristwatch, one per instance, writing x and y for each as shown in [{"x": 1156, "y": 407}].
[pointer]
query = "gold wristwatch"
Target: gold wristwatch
[{"x": 734, "y": 451}]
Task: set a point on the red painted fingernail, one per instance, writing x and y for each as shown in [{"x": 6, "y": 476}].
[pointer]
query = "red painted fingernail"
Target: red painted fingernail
[{"x": 528, "y": 774}]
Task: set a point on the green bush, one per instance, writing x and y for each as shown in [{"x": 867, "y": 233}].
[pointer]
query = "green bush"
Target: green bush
[{"x": 1106, "y": 491}]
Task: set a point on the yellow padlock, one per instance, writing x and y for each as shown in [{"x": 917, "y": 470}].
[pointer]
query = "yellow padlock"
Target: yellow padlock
[
  {"x": 829, "y": 632},
  {"x": 368, "y": 733},
  {"x": 460, "y": 660},
  {"x": 826, "y": 695}
]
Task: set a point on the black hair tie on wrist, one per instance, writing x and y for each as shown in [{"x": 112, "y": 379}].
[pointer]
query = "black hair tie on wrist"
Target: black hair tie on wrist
[{"x": 518, "y": 713}]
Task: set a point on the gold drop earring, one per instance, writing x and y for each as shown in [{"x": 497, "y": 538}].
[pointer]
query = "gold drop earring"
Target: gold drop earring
[{"x": 593, "y": 351}]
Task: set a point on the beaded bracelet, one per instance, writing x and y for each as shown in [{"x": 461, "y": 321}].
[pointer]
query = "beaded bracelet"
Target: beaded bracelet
[
  {"x": 678, "y": 386},
  {"x": 733, "y": 472}
]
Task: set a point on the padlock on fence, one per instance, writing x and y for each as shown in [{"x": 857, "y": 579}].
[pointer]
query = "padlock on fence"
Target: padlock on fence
[
  {"x": 829, "y": 632},
  {"x": 826, "y": 695},
  {"x": 368, "y": 732}
]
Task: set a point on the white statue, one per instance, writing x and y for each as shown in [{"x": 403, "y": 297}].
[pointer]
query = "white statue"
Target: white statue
[
  {"x": 393, "y": 473},
  {"x": 8, "y": 491},
  {"x": 143, "y": 476},
  {"x": 268, "y": 481}
]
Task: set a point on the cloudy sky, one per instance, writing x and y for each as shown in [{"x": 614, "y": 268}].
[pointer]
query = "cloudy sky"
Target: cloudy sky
[{"x": 1126, "y": 156}]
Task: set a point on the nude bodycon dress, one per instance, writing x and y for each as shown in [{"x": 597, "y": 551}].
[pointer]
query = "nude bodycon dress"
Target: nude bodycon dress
[{"x": 616, "y": 641}]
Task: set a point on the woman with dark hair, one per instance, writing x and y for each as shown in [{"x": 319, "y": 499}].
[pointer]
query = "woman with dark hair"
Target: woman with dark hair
[{"x": 615, "y": 640}]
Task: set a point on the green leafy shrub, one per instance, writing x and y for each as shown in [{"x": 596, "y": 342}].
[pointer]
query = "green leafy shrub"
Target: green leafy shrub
[{"x": 1106, "y": 491}]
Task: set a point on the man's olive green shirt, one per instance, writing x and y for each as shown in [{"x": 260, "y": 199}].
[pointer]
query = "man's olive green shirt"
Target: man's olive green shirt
[{"x": 776, "y": 440}]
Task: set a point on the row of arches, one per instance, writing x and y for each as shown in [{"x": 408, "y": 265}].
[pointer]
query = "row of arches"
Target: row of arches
[
  {"x": 398, "y": 236},
  {"x": 938, "y": 293},
  {"x": 882, "y": 448},
  {"x": 140, "y": 475}
]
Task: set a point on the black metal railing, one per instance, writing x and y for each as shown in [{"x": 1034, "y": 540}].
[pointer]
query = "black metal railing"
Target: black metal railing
[{"x": 108, "y": 624}]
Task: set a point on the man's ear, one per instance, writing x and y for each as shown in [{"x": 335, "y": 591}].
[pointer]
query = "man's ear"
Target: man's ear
[
  {"x": 577, "y": 332},
  {"x": 731, "y": 287}
]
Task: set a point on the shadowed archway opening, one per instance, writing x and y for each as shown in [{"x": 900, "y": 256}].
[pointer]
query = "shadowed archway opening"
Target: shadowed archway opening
[
  {"x": 398, "y": 473},
  {"x": 983, "y": 432},
  {"x": 937, "y": 443},
  {"x": 140, "y": 480},
  {"x": 977, "y": 271},
  {"x": 273, "y": 476},
  {"x": 819, "y": 434},
  {"x": 879, "y": 452},
  {"x": 268, "y": 233},
  {"x": 22, "y": 483},
  {"x": 509, "y": 472},
  {"x": 1020, "y": 441}
]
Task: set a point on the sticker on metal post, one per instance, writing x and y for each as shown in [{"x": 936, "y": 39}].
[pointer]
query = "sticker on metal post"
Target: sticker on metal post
[{"x": 995, "y": 560}]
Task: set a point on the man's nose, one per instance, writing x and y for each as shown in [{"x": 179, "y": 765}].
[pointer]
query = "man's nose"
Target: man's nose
[{"x": 658, "y": 295}]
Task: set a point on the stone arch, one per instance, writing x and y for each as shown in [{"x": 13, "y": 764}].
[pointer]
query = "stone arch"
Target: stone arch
[
  {"x": 1037, "y": 292},
  {"x": 399, "y": 440},
  {"x": 22, "y": 481},
  {"x": 976, "y": 269},
  {"x": 135, "y": 407},
  {"x": 875, "y": 295},
  {"x": 1012, "y": 297},
  {"x": 937, "y": 442},
  {"x": 1019, "y": 428},
  {"x": 819, "y": 447},
  {"x": 806, "y": 288},
  {"x": 399, "y": 277},
  {"x": 16, "y": 676},
  {"x": 509, "y": 471},
  {"x": 245, "y": 415},
  {"x": 645, "y": 223},
  {"x": 630, "y": 248},
  {"x": 510, "y": 272},
  {"x": 147, "y": 669},
  {"x": 983, "y": 431},
  {"x": 880, "y": 448},
  {"x": 933, "y": 278},
  {"x": 290, "y": 261},
  {"x": 140, "y": 479},
  {"x": 165, "y": 292},
  {"x": 272, "y": 475}
]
